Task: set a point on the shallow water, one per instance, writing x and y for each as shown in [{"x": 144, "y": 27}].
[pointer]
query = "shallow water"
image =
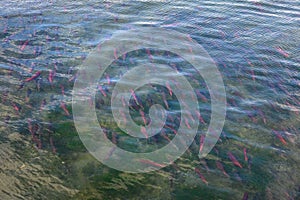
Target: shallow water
[{"x": 255, "y": 45}]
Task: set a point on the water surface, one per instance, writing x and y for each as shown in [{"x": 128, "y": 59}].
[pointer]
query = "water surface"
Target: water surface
[{"x": 255, "y": 45}]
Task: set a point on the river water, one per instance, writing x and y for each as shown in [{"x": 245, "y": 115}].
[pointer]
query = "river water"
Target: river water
[{"x": 256, "y": 47}]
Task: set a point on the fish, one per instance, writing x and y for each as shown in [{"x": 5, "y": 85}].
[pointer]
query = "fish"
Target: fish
[
  {"x": 201, "y": 96},
  {"x": 62, "y": 90},
  {"x": 201, "y": 176},
  {"x": 124, "y": 117},
  {"x": 200, "y": 117},
  {"x": 189, "y": 38},
  {"x": 144, "y": 131},
  {"x": 108, "y": 79},
  {"x": 223, "y": 34},
  {"x": 169, "y": 88},
  {"x": 99, "y": 48},
  {"x": 249, "y": 163},
  {"x": 50, "y": 76},
  {"x": 262, "y": 115},
  {"x": 251, "y": 70},
  {"x": 282, "y": 52},
  {"x": 16, "y": 107},
  {"x": 234, "y": 160},
  {"x": 252, "y": 75},
  {"x": 279, "y": 136},
  {"x": 56, "y": 68},
  {"x": 170, "y": 118},
  {"x": 30, "y": 126},
  {"x": 202, "y": 137},
  {"x": 269, "y": 195},
  {"x": 280, "y": 86},
  {"x": 224, "y": 135},
  {"x": 124, "y": 56},
  {"x": 245, "y": 197},
  {"x": 52, "y": 145},
  {"x": 245, "y": 154},
  {"x": 288, "y": 196},
  {"x": 91, "y": 102},
  {"x": 190, "y": 115},
  {"x": 38, "y": 84},
  {"x": 169, "y": 140},
  {"x": 24, "y": 45},
  {"x": 134, "y": 97},
  {"x": 114, "y": 138},
  {"x": 32, "y": 129},
  {"x": 216, "y": 150},
  {"x": 221, "y": 167},
  {"x": 37, "y": 74},
  {"x": 102, "y": 90},
  {"x": 150, "y": 162},
  {"x": 203, "y": 162},
  {"x": 44, "y": 102},
  {"x": 149, "y": 54},
  {"x": 72, "y": 78},
  {"x": 187, "y": 123},
  {"x": 32, "y": 67},
  {"x": 111, "y": 151},
  {"x": 293, "y": 108},
  {"x": 140, "y": 102},
  {"x": 123, "y": 101},
  {"x": 115, "y": 54},
  {"x": 191, "y": 51},
  {"x": 143, "y": 117},
  {"x": 165, "y": 100},
  {"x": 174, "y": 131},
  {"x": 63, "y": 106}
]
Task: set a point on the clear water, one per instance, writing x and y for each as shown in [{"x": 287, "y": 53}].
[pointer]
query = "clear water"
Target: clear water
[{"x": 256, "y": 46}]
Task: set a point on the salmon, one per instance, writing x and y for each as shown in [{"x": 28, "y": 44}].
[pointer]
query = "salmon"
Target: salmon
[
  {"x": 37, "y": 74},
  {"x": 165, "y": 100},
  {"x": 63, "y": 106},
  {"x": 202, "y": 137},
  {"x": 245, "y": 154},
  {"x": 245, "y": 197},
  {"x": 169, "y": 88},
  {"x": 187, "y": 123},
  {"x": 134, "y": 96},
  {"x": 24, "y": 45},
  {"x": 143, "y": 117},
  {"x": 201, "y": 176},
  {"x": 234, "y": 160},
  {"x": 200, "y": 117},
  {"x": 108, "y": 79},
  {"x": 149, "y": 54},
  {"x": 51, "y": 75},
  {"x": 279, "y": 136},
  {"x": 102, "y": 90},
  {"x": 150, "y": 162},
  {"x": 282, "y": 52},
  {"x": 115, "y": 54},
  {"x": 220, "y": 167},
  {"x": 144, "y": 131}
]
